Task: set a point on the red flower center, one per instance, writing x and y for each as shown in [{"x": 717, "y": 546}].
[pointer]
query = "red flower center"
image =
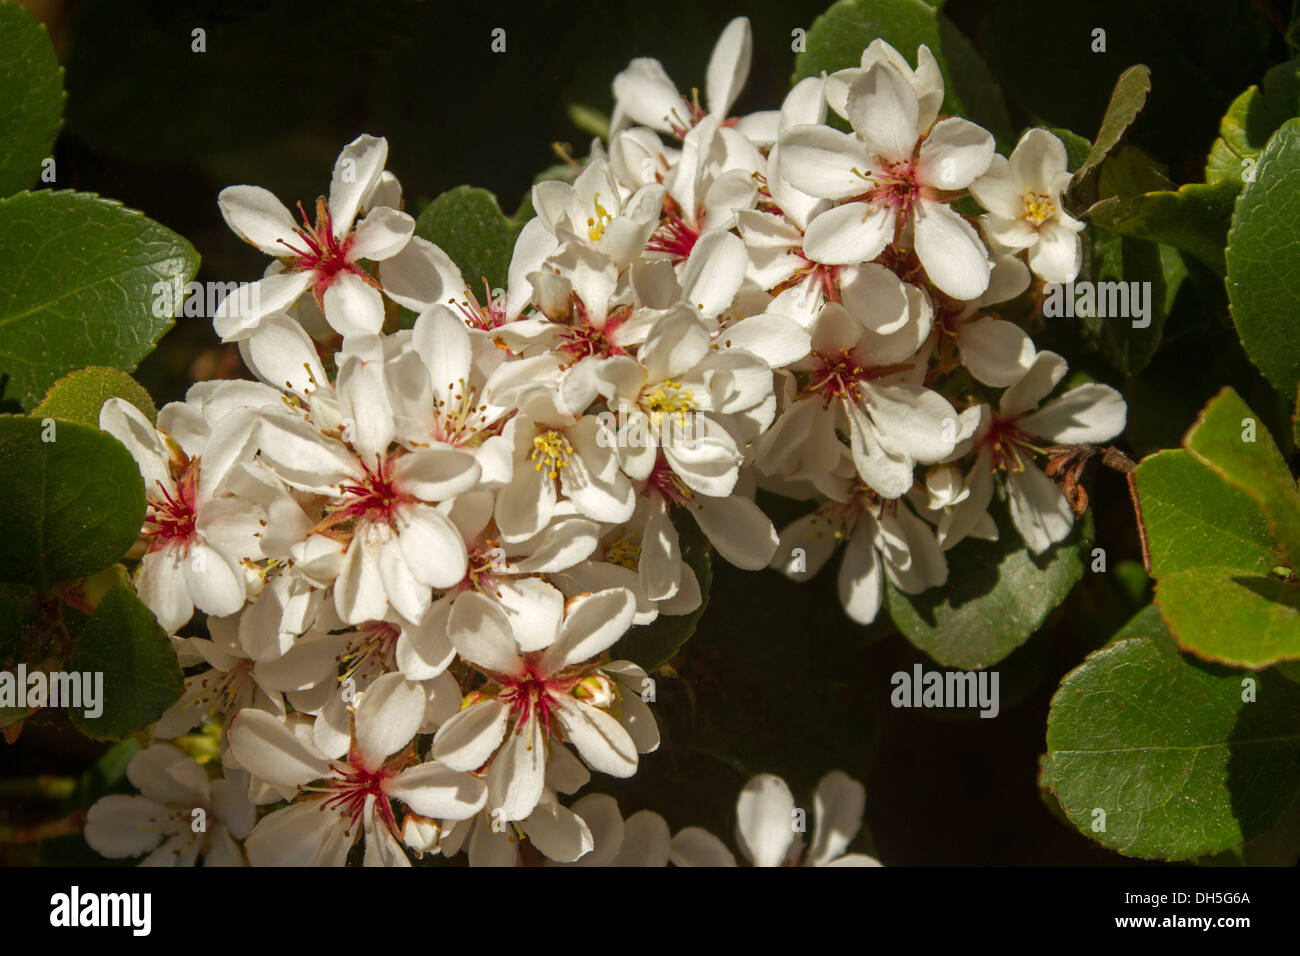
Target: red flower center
[
  {"x": 322, "y": 254},
  {"x": 171, "y": 518}
]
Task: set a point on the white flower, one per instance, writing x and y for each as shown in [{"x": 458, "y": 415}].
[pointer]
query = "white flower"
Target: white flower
[
  {"x": 325, "y": 257},
  {"x": 891, "y": 177},
  {"x": 644, "y": 94},
  {"x": 195, "y": 536},
  {"x": 535, "y": 697},
  {"x": 382, "y": 502},
  {"x": 353, "y": 795},
  {"x": 1009, "y": 439},
  {"x": 1023, "y": 199},
  {"x": 874, "y": 532},
  {"x": 593, "y": 213},
  {"x": 643, "y": 839},
  {"x": 175, "y": 795},
  {"x": 766, "y": 829},
  {"x": 857, "y": 381}
]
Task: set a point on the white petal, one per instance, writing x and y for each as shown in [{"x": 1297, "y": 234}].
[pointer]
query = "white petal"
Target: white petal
[
  {"x": 466, "y": 741},
  {"x": 600, "y": 739},
  {"x": 257, "y": 217},
  {"x": 381, "y": 235},
  {"x": 951, "y": 251},
  {"x": 765, "y": 820},
  {"x": 1089, "y": 413},
  {"x": 1038, "y": 508},
  {"x": 837, "y": 810},
  {"x": 269, "y": 750},
  {"x": 849, "y": 234},
  {"x": 728, "y": 66},
  {"x": 955, "y": 154},
  {"x": 997, "y": 352},
  {"x": 352, "y": 306},
  {"x": 737, "y": 527},
  {"x": 482, "y": 634},
  {"x": 883, "y": 108},
  {"x": 592, "y": 623},
  {"x": 824, "y": 162},
  {"x": 356, "y": 171},
  {"x": 697, "y": 847},
  {"x": 434, "y": 790}
]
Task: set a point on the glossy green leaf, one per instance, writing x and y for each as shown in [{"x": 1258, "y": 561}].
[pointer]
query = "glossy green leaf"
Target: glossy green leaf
[
  {"x": 1231, "y": 616},
  {"x": 79, "y": 396},
  {"x": 31, "y": 98},
  {"x": 122, "y": 640},
  {"x": 1194, "y": 218},
  {"x": 996, "y": 596},
  {"x": 1263, "y": 270},
  {"x": 1230, "y": 439},
  {"x": 468, "y": 225},
  {"x": 1126, "y": 101},
  {"x": 1171, "y": 753},
  {"x": 1253, "y": 117},
  {"x": 77, "y": 277},
  {"x": 1193, "y": 518},
  {"x": 74, "y": 498}
]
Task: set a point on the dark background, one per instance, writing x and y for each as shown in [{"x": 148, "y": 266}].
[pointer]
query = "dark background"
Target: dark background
[{"x": 776, "y": 678}]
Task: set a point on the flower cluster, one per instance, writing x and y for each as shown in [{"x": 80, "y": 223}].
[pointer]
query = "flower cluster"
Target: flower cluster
[{"x": 416, "y": 541}]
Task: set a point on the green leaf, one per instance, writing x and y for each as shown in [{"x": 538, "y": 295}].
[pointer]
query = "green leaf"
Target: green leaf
[
  {"x": 75, "y": 503},
  {"x": 1219, "y": 441},
  {"x": 1115, "y": 258},
  {"x": 468, "y": 225},
  {"x": 1226, "y": 615},
  {"x": 31, "y": 91},
  {"x": 1193, "y": 219},
  {"x": 77, "y": 278},
  {"x": 656, "y": 643},
  {"x": 996, "y": 596},
  {"x": 836, "y": 39},
  {"x": 78, "y": 396},
  {"x": 1193, "y": 518},
  {"x": 123, "y": 641},
  {"x": 1180, "y": 764},
  {"x": 17, "y": 610},
  {"x": 1126, "y": 101},
  {"x": 1250, "y": 121},
  {"x": 1263, "y": 270},
  {"x": 1145, "y": 623}
]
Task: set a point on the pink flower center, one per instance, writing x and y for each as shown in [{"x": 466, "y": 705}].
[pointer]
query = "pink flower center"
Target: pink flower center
[
  {"x": 582, "y": 339},
  {"x": 897, "y": 186},
  {"x": 348, "y": 792},
  {"x": 171, "y": 518},
  {"x": 531, "y": 695},
  {"x": 1010, "y": 445},
  {"x": 375, "y": 498},
  {"x": 484, "y": 561},
  {"x": 667, "y": 482},
  {"x": 321, "y": 253},
  {"x": 839, "y": 376},
  {"x": 490, "y": 315},
  {"x": 673, "y": 236}
]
